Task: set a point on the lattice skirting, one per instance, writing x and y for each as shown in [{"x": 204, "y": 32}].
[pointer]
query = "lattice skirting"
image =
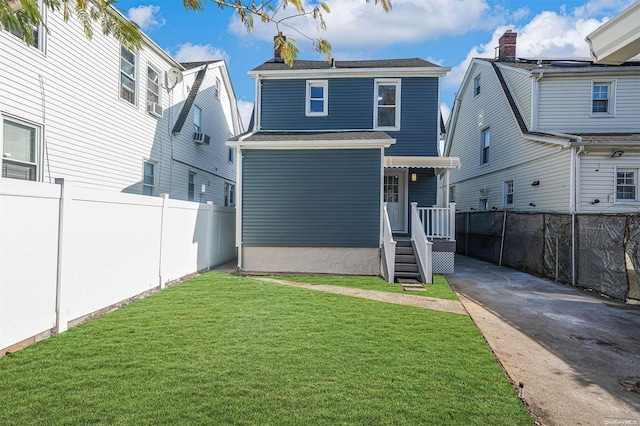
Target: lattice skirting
[{"x": 444, "y": 262}]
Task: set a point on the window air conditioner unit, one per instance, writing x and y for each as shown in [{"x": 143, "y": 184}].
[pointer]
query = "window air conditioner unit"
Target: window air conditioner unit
[
  {"x": 154, "y": 108},
  {"x": 199, "y": 137}
]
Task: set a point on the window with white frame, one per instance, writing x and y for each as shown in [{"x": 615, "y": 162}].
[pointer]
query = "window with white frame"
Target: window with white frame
[
  {"x": 231, "y": 150},
  {"x": 197, "y": 119},
  {"x": 477, "y": 83},
  {"x": 485, "y": 143},
  {"x": 602, "y": 98},
  {"x": 508, "y": 194},
  {"x": 452, "y": 194},
  {"x": 20, "y": 150},
  {"x": 229, "y": 194},
  {"x": 317, "y": 102},
  {"x": 149, "y": 178},
  {"x": 154, "y": 104},
  {"x": 127, "y": 75},
  {"x": 216, "y": 88},
  {"x": 483, "y": 205},
  {"x": 626, "y": 184},
  {"x": 191, "y": 186},
  {"x": 35, "y": 36},
  {"x": 387, "y": 112}
]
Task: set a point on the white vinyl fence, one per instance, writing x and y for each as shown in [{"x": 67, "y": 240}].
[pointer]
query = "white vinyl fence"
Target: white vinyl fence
[{"x": 67, "y": 252}]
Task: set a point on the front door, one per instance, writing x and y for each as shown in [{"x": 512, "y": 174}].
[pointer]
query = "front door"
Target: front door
[{"x": 393, "y": 193}]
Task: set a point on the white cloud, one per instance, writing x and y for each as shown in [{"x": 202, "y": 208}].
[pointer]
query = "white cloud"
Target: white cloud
[
  {"x": 246, "y": 109},
  {"x": 147, "y": 17},
  {"x": 188, "y": 52},
  {"x": 357, "y": 24}
]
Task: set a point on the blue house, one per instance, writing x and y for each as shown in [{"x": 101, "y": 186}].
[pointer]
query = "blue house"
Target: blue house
[{"x": 335, "y": 155}]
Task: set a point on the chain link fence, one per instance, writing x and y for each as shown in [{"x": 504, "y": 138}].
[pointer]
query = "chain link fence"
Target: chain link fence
[{"x": 593, "y": 251}]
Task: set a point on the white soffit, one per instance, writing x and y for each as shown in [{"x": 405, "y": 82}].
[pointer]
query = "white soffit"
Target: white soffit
[
  {"x": 422, "y": 162},
  {"x": 617, "y": 40}
]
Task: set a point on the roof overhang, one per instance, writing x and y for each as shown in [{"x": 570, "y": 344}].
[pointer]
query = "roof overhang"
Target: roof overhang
[
  {"x": 352, "y": 72},
  {"x": 617, "y": 40},
  {"x": 422, "y": 162},
  {"x": 312, "y": 140}
]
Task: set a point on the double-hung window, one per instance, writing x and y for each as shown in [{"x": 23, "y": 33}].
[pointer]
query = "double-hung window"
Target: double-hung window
[
  {"x": 508, "y": 194},
  {"x": 197, "y": 119},
  {"x": 34, "y": 37},
  {"x": 191, "y": 187},
  {"x": 387, "y": 105},
  {"x": 626, "y": 184},
  {"x": 317, "y": 98},
  {"x": 485, "y": 143},
  {"x": 602, "y": 98},
  {"x": 149, "y": 178},
  {"x": 483, "y": 204},
  {"x": 477, "y": 84},
  {"x": 216, "y": 88},
  {"x": 229, "y": 194},
  {"x": 154, "y": 105},
  {"x": 20, "y": 151},
  {"x": 127, "y": 75}
]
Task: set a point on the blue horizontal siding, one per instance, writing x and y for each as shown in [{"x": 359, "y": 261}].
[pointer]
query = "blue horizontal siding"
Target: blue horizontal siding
[
  {"x": 311, "y": 198},
  {"x": 350, "y": 105}
]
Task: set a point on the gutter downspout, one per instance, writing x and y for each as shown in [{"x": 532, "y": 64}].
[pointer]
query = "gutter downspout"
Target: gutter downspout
[{"x": 574, "y": 186}]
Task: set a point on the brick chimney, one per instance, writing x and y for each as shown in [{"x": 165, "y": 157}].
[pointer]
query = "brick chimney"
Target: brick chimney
[
  {"x": 278, "y": 41},
  {"x": 507, "y": 47}
]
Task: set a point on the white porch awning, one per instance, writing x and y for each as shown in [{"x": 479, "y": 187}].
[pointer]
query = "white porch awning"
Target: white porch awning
[{"x": 422, "y": 162}]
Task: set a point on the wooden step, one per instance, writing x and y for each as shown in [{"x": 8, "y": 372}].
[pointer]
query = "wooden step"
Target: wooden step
[
  {"x": 412, "y": 275},
  {"x": 405, "y": 258},
  {"x": 407, "y": 267},
  {"x": 404, "y": 250}
]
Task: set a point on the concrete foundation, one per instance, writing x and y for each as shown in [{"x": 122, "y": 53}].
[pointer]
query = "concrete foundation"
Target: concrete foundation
[{"x": 322, "y": 260}]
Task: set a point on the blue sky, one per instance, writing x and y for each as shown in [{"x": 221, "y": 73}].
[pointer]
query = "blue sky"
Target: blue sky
[{"x": 446, "y": 32}]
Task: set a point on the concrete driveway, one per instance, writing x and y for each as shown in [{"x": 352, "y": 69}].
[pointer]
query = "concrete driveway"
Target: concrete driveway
[{"x": 572, "y": 350}]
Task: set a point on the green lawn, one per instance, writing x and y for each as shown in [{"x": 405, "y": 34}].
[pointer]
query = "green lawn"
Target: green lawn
[
  {"x": 440, "y": 287},
  {"x": 222, "y": 349}
]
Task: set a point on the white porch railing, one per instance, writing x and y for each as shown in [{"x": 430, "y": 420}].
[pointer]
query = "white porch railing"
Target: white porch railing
[
  {"x": 422, "y": 245},
  {"x": 439, "y": 222},
  {"x": 388, "y": 248}
]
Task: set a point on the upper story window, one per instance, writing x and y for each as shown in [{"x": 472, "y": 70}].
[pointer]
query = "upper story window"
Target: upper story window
[
  {"x": 20, "y": 153},
  {"x": 477, "y": 83},
  {"x": 197, "y": 119},
  {"x": 216, "y": 88},
  {"x": 231, "y": 150},
  {"x": 602, "y": 101},
  {"x": 148, "y": 178},
  {"x": 154, "y": 102},
  {"x": 626, "y": 184},
  {"x": 387, "y": 113},
  {"x": 35, "y": 36},
  {"x": 127, "y": 75},
  {"x": 317, "y": 98},
  {"x": 485, "y": 140},
  {"x": 508, "y": 193}
]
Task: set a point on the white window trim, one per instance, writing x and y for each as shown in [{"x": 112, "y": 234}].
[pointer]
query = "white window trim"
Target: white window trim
[
  {"x": 194, "y": 174},
  {"x": 229, "y": 194},
  {"x": 42, "y": 33},
  {"x": 156, "y": 69},
  {"x": 155, "y": 176},
  {"x": 612, "y": 99},
  {"x": 217, "y": 88},
  {"x": 480, "y": 204},
  {"x": 482, "y": 133},
  {"x": 197, "y": 127},
  {"x": 477, "y": 88},
  {"x": 136, "y": 81},
  {"x": 386, "y": 81},
  {"x": 636, "y": 200},
  {"x": 505, "y": 193},
  {"x": 325, "y": 100},
  {"x": 38, "y": 137}
]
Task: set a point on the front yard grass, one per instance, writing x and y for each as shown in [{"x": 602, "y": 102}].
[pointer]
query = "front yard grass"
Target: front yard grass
[
  {"x": 222, "y": 349},
  {"x": 439, "y": 289}
]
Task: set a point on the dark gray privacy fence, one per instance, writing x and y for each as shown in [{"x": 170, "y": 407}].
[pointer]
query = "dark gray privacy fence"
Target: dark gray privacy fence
[{"x": 599, "y": 252}]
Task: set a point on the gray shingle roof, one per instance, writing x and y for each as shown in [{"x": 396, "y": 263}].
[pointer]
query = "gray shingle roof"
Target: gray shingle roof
[
  {"x": 272, "y": 65},
  {"x": 313, "y": 136}
]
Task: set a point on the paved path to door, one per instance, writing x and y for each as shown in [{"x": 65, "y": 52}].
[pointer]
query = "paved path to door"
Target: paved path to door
[{"x": 570, "y": 348}]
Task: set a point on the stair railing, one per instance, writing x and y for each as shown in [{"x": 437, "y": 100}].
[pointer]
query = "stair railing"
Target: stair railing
[
  {"x": 388, "y": 248},
  {"x": 421, "y": 245},
  {"x": 439, "y": 222}
]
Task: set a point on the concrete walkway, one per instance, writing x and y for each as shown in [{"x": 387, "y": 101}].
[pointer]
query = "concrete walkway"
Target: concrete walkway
[
  {"x": 424, "y": 302},
  {"x": 572, "y": 350}
]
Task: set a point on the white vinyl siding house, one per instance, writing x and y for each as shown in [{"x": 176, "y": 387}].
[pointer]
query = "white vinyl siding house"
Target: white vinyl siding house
[
  {"x": 98, "y": 130},
  {"x": 559, "y": 145}
]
